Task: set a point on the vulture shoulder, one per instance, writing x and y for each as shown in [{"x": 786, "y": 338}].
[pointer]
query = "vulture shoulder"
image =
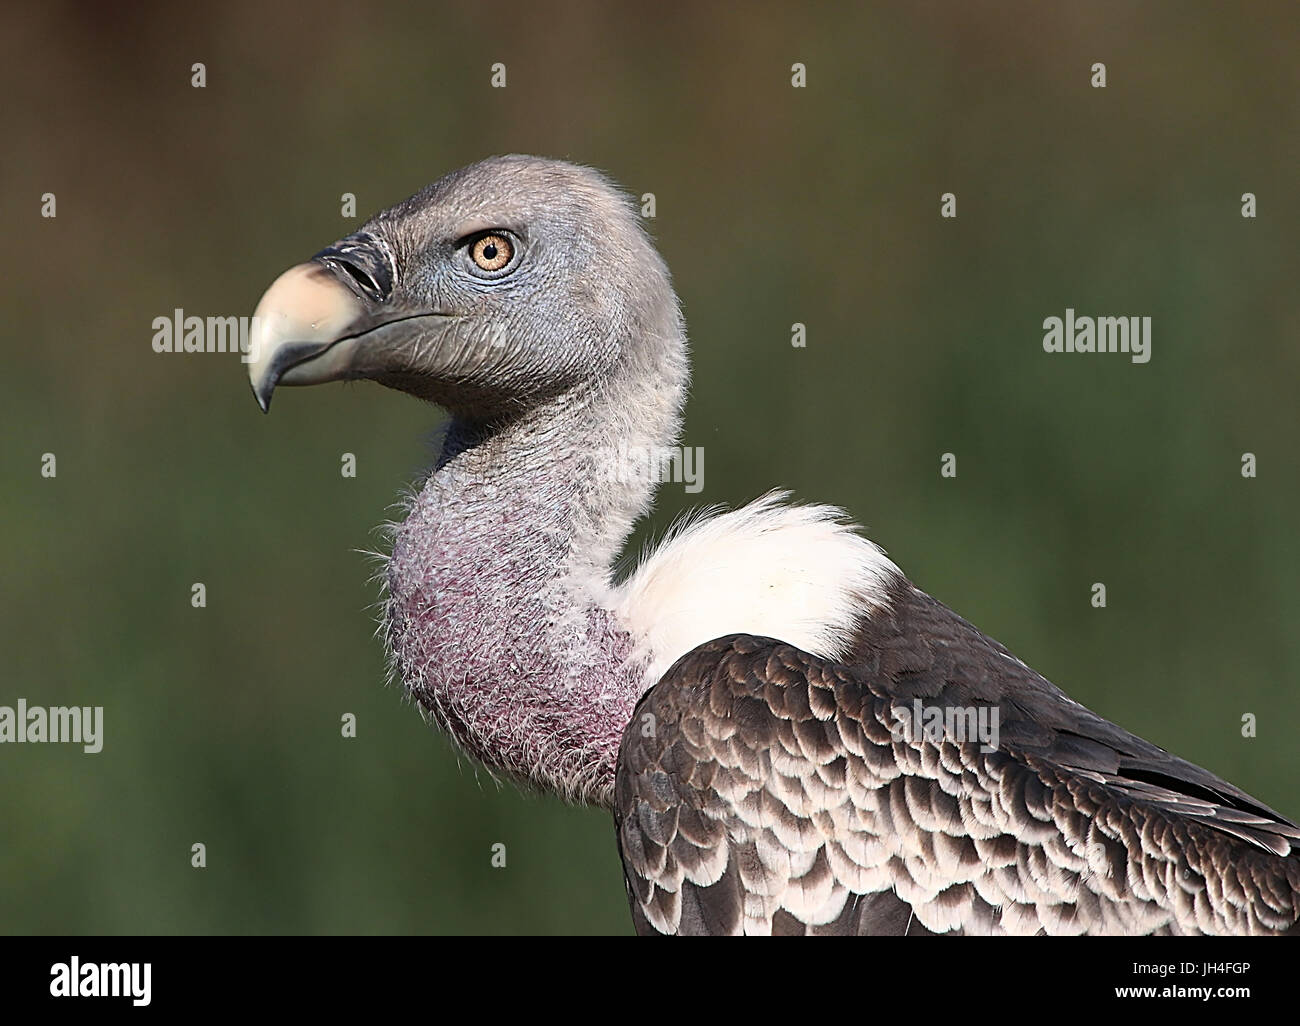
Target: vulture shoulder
[{"x": 761, "y": 789}]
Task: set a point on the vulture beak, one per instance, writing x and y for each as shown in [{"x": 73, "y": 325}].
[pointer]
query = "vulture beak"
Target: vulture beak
[{"x": 299, "y": 334}]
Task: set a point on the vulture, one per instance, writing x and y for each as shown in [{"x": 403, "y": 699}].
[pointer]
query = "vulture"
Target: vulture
[{"x": 791, "y": 736}]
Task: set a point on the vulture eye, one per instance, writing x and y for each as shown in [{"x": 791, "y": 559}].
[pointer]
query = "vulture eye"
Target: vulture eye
[{"x": 491, "y": 252}]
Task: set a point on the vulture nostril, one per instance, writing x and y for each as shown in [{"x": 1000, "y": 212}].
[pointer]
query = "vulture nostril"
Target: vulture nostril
[
  {"x": 364, "y": 281},
  {"x": 365, "y": 264}
]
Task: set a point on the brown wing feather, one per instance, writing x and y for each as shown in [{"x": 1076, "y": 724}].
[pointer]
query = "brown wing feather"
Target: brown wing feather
[{"x": 761, "y": 789}]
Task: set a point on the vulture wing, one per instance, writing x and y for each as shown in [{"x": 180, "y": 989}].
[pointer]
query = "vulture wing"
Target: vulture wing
[{"x": 762, "y": 789}]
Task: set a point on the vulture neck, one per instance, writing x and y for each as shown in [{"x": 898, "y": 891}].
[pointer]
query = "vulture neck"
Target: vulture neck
[{"x": 498, "y": 616}]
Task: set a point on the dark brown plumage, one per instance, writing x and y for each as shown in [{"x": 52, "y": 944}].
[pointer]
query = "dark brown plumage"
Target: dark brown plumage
[{"x": 760, "y": 788}]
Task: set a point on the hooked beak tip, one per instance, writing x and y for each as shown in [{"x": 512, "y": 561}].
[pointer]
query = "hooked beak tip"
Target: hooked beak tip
[{"x": 295, "y": 327}]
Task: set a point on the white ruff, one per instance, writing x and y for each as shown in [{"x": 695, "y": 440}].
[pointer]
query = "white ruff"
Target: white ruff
[{"x": 799, "y": 574}]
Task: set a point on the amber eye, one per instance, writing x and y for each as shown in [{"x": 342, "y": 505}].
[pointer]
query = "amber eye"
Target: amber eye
[{"x": 491, "y": 252}]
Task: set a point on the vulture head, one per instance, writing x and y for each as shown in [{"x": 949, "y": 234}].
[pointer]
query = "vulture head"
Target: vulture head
[
  {"x": 500, "y": 287},
  {"x": 522, "y": 296}
]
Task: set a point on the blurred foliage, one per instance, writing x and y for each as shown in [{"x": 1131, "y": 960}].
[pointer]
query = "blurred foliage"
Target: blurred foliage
[{"x": 775, "y": 205}]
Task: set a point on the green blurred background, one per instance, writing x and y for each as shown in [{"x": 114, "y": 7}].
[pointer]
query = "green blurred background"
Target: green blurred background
[{"x": 775, "y": 205}]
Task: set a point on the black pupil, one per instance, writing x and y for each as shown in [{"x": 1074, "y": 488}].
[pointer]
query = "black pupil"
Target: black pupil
[{"x": 490, "y": 251}]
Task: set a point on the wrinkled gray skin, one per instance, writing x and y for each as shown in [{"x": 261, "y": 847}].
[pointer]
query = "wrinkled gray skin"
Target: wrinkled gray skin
[{"x": 498, "y": 581}]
